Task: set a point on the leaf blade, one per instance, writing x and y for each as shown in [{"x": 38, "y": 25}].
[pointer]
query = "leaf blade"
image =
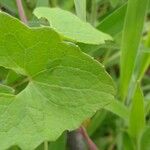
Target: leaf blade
[
  {"x": 145, "y": 142},
  {"x": 80, "y": 6},
  {"x": 119, "y": 109},
  {"x": 60, "y": 82},
  {"x": 132, "y": 28},
  {"x": 62, "y": 21},
  {"x": 137, "y": 113},
  {"x": 113, "y": 24}
]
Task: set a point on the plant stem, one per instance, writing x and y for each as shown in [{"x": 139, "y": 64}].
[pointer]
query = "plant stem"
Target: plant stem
[
  {"x": 21, "y": 11},
  {"x": 75, "y": 140},
  {"x": 45, "y": 145},
  {"x": 90, "y": 143}
]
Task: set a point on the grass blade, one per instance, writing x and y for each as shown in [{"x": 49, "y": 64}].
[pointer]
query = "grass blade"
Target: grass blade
[
  {"x": 145, "y": 140},
  {"x": 93, "y": 15},
  {"x": 137, "y": 115},
  {"x": 113, "y": 24},
  {"x": 42, "y": 3},
  {"x": 59, "y": 144},
  {"x": 144, "y": 59},
  {"x": 132, "y": 32},
  {"x": 119, "y": 109},
  {"x": 80, "y": 6},
  {"x": 127, "y": 142},
  {"x": 96, "y": 122}
]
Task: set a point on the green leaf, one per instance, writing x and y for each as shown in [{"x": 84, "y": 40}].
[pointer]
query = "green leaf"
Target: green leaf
[
  {"x": 144, "y": 60},
  {"x": 3, "y": 73},
  {"x": 60, "y": 144},
  {"x": 15, "y": 148},
  {"x": 12, "y": 78},
  {"x": 93, "y": 13},
  {"x": 80, "y": 6},
  {"x": 128, "y": 143},
  {"x": 132, "y": 33},
  {"x": 147, "y": 107},
  {"x": 137, "y": 115},
  {"x": 65, "y": 85},
  {"x": 114, "y": 3},
  {"x": 71, "y": 27},
  {"x": 145, "y": 139},
  {"x": 115, "y": 107},
  {"x": 119, "y": 109},
  {"x": 113, "y": 24},
  {"x": 42, "y": 3},
  {"x": 96, "y": 121},
  {"x": 10, "y": 5},
  {"x": 149, "y": 6},
  {"x": 67, "y": 5},
  {"x": 6, "y": 89}
]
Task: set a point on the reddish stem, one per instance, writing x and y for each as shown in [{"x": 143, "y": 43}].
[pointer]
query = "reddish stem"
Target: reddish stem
[
  {"x": 21, "y": 11},
  {"x": 90, "y": 143}
]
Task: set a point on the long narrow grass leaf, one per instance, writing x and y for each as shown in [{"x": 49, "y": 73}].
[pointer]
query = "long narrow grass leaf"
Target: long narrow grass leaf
[
  {"x": 132, "y": 32},
  {"x": 80, "y": 6},
  {"x": 113, "y": 24},
  {"x": 137, "y": 115}
]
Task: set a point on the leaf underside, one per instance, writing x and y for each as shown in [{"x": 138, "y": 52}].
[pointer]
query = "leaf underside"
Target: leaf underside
[{"x": 65, "y": 85}]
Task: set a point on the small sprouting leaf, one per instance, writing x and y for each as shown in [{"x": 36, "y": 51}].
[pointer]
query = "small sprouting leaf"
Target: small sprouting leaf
[
  {"x": 71, "y": 27},
  {"x": 65, "y": 85}
]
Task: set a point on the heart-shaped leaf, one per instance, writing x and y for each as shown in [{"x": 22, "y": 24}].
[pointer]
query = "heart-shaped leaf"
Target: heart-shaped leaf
[{"x": 65, "y": 85}]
